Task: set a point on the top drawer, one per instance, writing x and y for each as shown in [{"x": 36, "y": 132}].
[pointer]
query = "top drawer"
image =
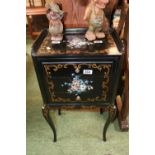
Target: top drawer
[{"x": 78, "y": 82}]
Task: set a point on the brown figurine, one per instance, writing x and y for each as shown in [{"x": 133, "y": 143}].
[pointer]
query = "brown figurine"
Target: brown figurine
[
  {"x": 94, "y": 14},
  {"x": 54, "y": 15}
]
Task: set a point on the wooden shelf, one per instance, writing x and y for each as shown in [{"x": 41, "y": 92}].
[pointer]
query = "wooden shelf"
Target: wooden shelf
[{"x": 35, "y": 11}]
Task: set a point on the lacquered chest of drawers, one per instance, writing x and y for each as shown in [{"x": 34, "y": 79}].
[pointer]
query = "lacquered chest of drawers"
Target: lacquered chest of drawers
[{"x": 77, "y": 73}]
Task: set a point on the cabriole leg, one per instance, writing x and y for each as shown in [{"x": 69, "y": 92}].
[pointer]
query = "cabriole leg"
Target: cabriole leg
[
  {"x": 45, "y": 112},
  {"x": 111, "y": 116}
]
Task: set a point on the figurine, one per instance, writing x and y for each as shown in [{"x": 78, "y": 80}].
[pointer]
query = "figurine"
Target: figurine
[
  {"x": 94, "y": 14},
  {"x": 54, "y": 15}
]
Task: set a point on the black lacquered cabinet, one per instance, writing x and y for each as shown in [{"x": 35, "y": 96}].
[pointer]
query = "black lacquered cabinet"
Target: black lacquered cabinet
[{"x": 78, "y": 73}]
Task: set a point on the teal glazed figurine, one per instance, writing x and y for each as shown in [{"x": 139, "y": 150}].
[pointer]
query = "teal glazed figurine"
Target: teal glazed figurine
[
  {"x": 54, "y": 15},
  {"x": 95, "y": 17}
]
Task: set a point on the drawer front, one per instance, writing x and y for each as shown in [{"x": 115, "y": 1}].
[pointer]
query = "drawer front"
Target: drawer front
[{"x": 78, "y": 82}]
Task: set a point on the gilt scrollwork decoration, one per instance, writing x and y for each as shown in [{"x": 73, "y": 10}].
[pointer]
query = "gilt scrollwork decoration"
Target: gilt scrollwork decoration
[{"x": 99, "y": 67}]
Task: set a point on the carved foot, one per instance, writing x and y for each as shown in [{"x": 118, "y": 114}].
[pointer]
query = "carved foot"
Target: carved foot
[
  {"x": 112, "y": 113},
  {"x": 45, "y": 112},
  {"x": 90, "y": 35}
]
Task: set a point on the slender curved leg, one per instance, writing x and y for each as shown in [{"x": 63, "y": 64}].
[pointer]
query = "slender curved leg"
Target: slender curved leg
[
  {"x": 106, "y": 127},
  {"x": 112, "y": 113},
  {"x": 59, "y": 111},
  {"x": 45, "y": 112}
]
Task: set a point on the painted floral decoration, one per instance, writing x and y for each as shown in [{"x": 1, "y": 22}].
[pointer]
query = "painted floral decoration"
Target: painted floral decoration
[{"x": 77, "y": 85}]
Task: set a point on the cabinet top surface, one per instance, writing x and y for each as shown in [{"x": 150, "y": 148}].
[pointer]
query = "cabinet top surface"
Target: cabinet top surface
[{"x": 76, "y": 44}]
